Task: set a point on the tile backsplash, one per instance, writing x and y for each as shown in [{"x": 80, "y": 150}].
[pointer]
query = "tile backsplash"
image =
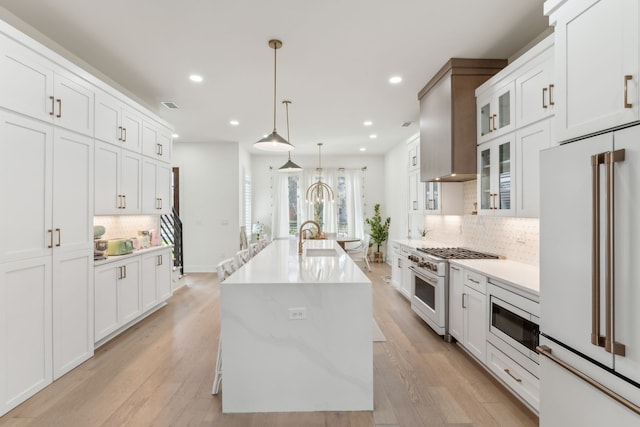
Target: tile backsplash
[
  {"x": 514, "y": 238},
  {"x": 126, "y": 226}
]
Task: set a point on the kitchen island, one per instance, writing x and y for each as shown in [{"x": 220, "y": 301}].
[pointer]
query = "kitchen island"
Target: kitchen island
[{"x": 297, "y": 332}]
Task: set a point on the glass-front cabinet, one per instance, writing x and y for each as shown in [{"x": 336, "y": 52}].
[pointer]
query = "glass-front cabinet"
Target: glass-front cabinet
[
  {"x": 496, "y": 112},
  {"x": 432, "y": 197},
  {"x": 496, "y": 182}
]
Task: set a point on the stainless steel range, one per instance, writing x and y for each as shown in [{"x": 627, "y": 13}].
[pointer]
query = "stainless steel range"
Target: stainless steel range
[{"x": 430, "y": 283}]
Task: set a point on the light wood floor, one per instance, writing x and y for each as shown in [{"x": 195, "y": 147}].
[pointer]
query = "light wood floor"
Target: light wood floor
[{"x": 159, "y": 373}]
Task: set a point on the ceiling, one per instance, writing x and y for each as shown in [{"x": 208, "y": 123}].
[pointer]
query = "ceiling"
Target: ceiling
[{"x": 334, "y": 65}]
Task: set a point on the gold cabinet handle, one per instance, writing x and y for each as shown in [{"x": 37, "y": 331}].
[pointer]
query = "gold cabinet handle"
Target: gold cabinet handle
[
  {"x": 59, "y": 107},
  {"x": 494, "y": 122},
  {"x": 626, "y": 99},
  {"x": 124, "y": 199},
  {"x": 544, "y": 92},
  {"x": 610, "y": 344},
  {"x": 551, "y": 86},
  {"x": 512, "y": 376},
  {"x": 490, "y": 124},
  {"x": 53, "y": 105},
  {"x": 596, "y": 338},
  {"x": 120, "y": 136},
  {"x": 159, "y": 261},
  {"x": 477, "y": 282},
  {"x": 59, "y": 237},
  {"x": 463, "y": 294},
  {"x": 124, "y": 138},
  {"x": 50, "y": 231},
  {"x": 454, "y": 268}
]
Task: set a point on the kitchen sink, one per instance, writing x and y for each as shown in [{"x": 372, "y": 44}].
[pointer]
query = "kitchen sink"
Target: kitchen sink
[{"x": 322, "y": 252}]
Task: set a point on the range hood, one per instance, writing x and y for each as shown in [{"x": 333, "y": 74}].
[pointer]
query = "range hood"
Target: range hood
[{"x": 448, "y": 119}]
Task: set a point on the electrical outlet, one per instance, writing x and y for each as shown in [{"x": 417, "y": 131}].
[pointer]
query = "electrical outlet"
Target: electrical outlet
[{"x": 299, "y": 313}]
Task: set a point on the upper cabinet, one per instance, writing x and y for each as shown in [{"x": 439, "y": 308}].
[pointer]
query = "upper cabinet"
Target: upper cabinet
[
  {"x": 32, "y": 85},
  {"x": 447, "y": 119},
  {"x": 117, "y": 124},
  {"x": 514, "y": 110},
  {"x": 596, "y": 64},
  {"x": 443, "y": 198},
  {"x": 414, "y": 154},
  {"x": 496, "y": 112},
  {"x": 156, "y": 141}
]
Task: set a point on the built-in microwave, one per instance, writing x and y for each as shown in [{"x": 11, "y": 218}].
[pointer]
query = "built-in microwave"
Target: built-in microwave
[{"x": 513, "y": 321}]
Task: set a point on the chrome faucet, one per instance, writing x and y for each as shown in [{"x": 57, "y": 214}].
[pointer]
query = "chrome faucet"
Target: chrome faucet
[{"x": 300, "y": 240}]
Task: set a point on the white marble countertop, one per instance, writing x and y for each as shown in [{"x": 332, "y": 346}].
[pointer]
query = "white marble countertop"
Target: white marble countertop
[
  {"x": 522, "y": 278},
  {"x": 280, "y": 263}
]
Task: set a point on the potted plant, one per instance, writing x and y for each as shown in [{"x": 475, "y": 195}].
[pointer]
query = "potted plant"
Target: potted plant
[{"x": 379, "y": 231}]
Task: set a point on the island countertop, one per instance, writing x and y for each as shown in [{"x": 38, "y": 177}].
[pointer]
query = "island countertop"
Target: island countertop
[
  {"x": 280, "y": 263},
  {"x": 296, "y": 331}
]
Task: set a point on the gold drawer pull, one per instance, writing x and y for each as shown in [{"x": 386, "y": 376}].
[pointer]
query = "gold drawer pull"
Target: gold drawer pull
[{"x": 511, "y": 375}]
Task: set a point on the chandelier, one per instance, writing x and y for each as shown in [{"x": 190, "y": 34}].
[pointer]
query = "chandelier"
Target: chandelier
[
  {"x": 273, "y": 141},
  {"x": 316, "y": 191}
]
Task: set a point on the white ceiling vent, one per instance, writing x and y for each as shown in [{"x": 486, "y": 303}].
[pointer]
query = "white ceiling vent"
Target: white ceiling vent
[
  {"x": 406, "y": 124},
  {"x": 170, "y": 105}
]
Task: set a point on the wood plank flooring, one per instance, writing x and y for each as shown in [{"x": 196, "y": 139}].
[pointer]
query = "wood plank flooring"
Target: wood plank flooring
[{"x": 160, "y": 372}]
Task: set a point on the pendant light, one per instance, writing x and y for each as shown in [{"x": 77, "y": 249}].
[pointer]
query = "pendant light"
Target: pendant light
[
  {"x": 289, "y": 166},
  {"x": 273, "y": 141},
  {"x": 316, "y": 191}
]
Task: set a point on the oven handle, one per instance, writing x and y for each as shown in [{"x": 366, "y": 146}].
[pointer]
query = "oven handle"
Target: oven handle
[{"x": 423, "y": 276}]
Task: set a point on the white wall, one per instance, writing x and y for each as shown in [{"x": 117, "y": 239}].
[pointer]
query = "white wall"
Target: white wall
[
  {"x": 209, "y": 202},
  {"x": 396, "y": 183},
  {"x": 261, "y": 179}
]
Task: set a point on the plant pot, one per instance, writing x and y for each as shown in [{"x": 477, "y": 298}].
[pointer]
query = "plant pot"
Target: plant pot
[{"x": 378, "y": 257}]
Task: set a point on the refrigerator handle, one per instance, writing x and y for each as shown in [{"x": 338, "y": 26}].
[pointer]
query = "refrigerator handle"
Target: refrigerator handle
[
  {"x": 610, "y": 343},
  {"x": 596, "y": 338},
  {"x": 546, "y": 352}
]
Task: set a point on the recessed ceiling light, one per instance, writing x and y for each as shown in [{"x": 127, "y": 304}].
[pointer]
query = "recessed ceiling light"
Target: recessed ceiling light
[
  {"x": 175, "y": 135},
  {"x": 373, "y": 136},
  {"x": 234, "y": 123},
  {"x": 363, "y": 149},
  {"x": 395, "y": 80},
  {"x": 368, "y": 123},
  {"x": 196, "y": 78}
]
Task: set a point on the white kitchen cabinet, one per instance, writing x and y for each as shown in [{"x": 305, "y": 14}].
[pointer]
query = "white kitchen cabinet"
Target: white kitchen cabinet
[
  {"x": 25, "y": 329},
  {"x": 529, "y": 141},
  {"x": 396, "y": 265},
  {"x": 405, "y": 283},
  {"x": 72, "y": 310},
  {"x": 31, "y": 84},
  {"x": 156, "y": 141},
  {"x": 117, "y": 124},
  {"x": 117, "y": 295},
  {"x": 496, "y": 176},
  {"x": 156, "y": 278},
  {"x": 496, "y": 111},
  {"x": 535, "y": 87},
  {"x": 456, "y": 302},
  {"x": 156, "y": 187},
  {"x": 443, "y": 198},
  {"x": 118, "y": 178},
  {"x": 416, "y": 193},
  {"x": 51, "y": 216},
  {"x": 597, "y": 63},
  {"x": 468, "y": 310}
]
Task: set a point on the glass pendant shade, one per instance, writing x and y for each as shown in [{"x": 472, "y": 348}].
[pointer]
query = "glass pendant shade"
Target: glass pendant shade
[{"x": 273, "y": 141}]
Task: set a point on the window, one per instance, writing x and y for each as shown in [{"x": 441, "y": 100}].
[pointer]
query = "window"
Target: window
[
  {"x": 247, "y": 205},
  {"x": 292, "y": 200}
]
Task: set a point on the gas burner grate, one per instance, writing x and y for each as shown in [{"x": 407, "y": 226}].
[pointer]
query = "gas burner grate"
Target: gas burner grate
[{"x": 457, "y": 253}]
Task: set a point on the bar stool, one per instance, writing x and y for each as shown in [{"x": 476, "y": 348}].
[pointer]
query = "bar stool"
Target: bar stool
[
  {"x": 224, "y": 269},
  {"x": 242, "y": 257},
  {"x": 253, "y": 248}
]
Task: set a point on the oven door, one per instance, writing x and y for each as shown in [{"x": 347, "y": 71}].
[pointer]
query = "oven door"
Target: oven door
[
  {"x": 428, "y": 298},
  {"x": 514, "y": 326}
]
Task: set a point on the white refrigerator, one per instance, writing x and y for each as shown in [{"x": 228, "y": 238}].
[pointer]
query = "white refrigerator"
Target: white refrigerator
[{"x": 590, "y": 281}]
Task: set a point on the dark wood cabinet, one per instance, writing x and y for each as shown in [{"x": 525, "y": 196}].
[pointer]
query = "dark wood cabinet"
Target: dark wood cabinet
[{"x": 448, "y": 119}]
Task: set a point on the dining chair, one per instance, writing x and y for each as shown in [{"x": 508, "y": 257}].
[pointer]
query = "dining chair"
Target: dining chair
[
  {"x": 361, "y": 251},
  {"x": 242, "y": 257},
  {"x": 224, "y": 269}
]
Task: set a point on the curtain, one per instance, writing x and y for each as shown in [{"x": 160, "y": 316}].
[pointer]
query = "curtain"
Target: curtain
[
  {"x": 280, "y": 218},
  {"x": 354, "y": 202}
]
